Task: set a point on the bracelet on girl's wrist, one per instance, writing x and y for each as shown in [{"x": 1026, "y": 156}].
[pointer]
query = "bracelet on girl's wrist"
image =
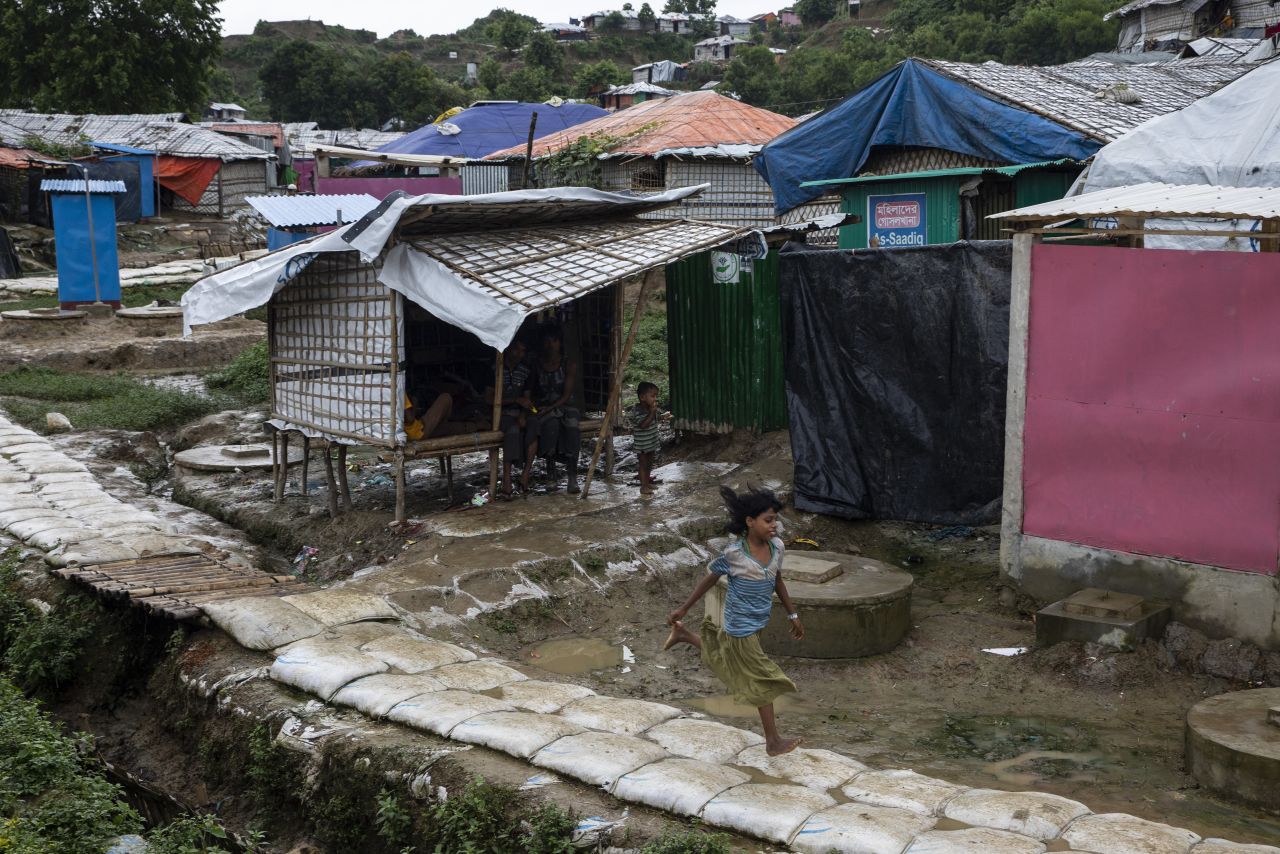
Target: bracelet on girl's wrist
[{"x": 793, "y": 616}]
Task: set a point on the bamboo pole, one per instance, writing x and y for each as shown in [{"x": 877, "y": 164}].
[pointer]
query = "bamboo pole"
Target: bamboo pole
[
  {"x": 284, "y": 466},
  {"x": 615, "y": 392},
  {"x": 306, "y": 460},
  {"x": 343, "y": 486},
  {"x": 329, "y": 481},
  {"x": 400, "y": 517},
  {"x": 497, "y": 420}
]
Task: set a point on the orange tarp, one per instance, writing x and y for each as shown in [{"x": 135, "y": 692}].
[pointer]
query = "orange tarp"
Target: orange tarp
[
  {"x": 189, "y": 177},
  {"x": 694, "y": 120}
]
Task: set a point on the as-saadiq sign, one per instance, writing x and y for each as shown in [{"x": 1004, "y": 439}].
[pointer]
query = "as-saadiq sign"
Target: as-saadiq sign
[{"x": 894, "y": 221}]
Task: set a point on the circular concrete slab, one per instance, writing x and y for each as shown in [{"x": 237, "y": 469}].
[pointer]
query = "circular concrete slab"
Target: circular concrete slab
[
  {"x": 1233, "y": 747},
  {"x": 43, "y": 314},
  {"x": 864, "y": 610},
  {"x": 231, "y": 457},
  {"x": 151, "y": 311}
]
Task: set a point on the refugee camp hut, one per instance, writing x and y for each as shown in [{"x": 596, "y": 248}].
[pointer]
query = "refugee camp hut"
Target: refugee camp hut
[
  {"x": 927, "y": 116},
  {"x": 21, "y": 172},
  {"x": 84, "y": 231},
  {"x": 141, "y": 160},
  {"x": 295, "y": 218},
  {"x": 621, "y": 97},
  {"x": 661, "y": 71},
  {"x": 474, "y": 133},
  {"x": 303, "y": 137},
  {"x": 1143, "y": 404},
  {"x": 429, "y": 284},
  {"x": 1147, "y": 25}
]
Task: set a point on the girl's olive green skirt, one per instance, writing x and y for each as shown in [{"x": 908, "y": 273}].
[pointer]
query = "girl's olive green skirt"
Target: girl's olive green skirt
[{"x": 741, "y": 664}]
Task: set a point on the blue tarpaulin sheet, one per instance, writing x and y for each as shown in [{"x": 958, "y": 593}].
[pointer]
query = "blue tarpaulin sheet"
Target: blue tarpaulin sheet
[
  {"x": 911, "y": 105},
  {"x": 487, "y": 128}
]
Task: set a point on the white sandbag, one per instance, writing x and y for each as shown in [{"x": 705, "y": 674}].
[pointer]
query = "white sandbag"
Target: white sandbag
[
  {"x": 20, "y": 501},
  {"x": 119, "y": 517},
  {"x": 261, "y": 622},
  {"x": 610, "y": 714},
  {"x": 25, "y": 448},
  {"x": 1117, "y": 833},
  {"x": 355, "y": 636},
  {"x": 1222, "y": 846},
  {"x": 59, "y": 477},
  {"x": 62, "y": 536},
  {"x": 765, "y": 810},
  {"x": 335, "y": 607},
  {"x": 47, "y": 464},
  {"x": 598, "y": 758},
  {"x": 974, "y": 840},
  {"x": 321, "y": 668},
  {"x": 414, "y": 654},
  {"x": 902, "y": 789},
  {"x": 31, "y": 527},
  {"x": 817, "y": 769},
  {"x": 681, "y": 786},
  {"x": 520, "y": 734},
  {"x": 90, "y": 552},
  {"x": 480, "y": 675},
  {"x": 13, "y": 476},
  {"x": 8, "y": 517},
  {"x": 81, "y": 483},
  {"x": 80, "y": 498},
  {"x": 442, "y": 711},
  {"x": 859, "y": 828},
  {"x": 706, "y": 741},
  {"x": 1035, "y": 814},
  {"x": 545, "y": 698},
  {"x": 376, "y": 695}
]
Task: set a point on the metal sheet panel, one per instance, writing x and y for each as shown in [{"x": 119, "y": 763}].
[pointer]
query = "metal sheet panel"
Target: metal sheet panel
[
  {"x": 481, "y": 178},
  {"x": 286, "y": 211},
  {"x": 1158, "y": 201},
  {"x": 724, "y": 344}
]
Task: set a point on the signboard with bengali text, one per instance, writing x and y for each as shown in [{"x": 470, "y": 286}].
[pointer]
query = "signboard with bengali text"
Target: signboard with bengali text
[{"x": 896, "y": 221}]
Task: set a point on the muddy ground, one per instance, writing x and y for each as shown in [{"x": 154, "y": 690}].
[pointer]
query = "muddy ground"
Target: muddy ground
[
  {"x": 1105, "y": 728},
  {"x": 106, "y": 344}
]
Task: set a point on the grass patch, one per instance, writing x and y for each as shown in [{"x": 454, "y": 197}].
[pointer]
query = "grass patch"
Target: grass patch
[
  {"x": 131, "y": 297},
  {"x": 247, "y": 376},
  {"x": 114, "y": 401},
  {"x": 689, "y": 842}
]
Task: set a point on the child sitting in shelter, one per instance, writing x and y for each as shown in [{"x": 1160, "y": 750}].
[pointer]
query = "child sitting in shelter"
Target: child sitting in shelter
[
  {"x": 644, "y": 432},
  {"x": 731, "y": 645}
]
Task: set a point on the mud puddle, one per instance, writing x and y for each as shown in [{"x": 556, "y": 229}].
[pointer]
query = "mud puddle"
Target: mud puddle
[{"x": 576, "y": 655}]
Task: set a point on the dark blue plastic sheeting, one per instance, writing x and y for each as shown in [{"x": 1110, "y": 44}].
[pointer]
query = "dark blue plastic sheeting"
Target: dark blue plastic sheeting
[
  {"x": 487, "y": 128},
  {"x": 911, "y": 105}
]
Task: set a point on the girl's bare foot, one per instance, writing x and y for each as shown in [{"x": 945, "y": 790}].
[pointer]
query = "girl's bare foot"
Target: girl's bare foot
[
  {"x": 679, "y": 634},
  {"x": 781, "y": 746}
]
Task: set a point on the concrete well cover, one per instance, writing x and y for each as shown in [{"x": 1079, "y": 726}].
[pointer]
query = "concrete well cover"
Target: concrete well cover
[{"x": 212, "y": 458}]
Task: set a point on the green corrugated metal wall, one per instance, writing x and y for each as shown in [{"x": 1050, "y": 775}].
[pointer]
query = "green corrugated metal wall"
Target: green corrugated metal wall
[
  {"x": 724, "y": 344},
  {"x": 942, "y": 208}
]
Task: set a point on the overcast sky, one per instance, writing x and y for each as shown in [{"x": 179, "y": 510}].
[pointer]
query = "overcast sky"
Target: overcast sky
[{"x": 432, "y": 16}]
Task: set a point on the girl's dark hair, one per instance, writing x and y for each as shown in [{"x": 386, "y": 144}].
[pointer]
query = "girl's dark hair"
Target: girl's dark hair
[
  {"x": 748, "y": 505},
  {"x": 549, "y": 331}
]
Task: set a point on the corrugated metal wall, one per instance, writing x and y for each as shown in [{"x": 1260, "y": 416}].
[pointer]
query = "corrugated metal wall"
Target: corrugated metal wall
[
  {"x": 942, "y": 208},
  {"x": 724, "y": 343},
  {"x": 481, "y": 178}
]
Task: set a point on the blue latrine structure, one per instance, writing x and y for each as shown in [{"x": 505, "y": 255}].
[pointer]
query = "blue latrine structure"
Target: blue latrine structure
[
  {"x": 84, "y": 235},
  {"x": 145, "y": 160}
]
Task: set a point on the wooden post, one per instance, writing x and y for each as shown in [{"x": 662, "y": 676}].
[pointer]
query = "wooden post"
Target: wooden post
[
  {"x": 400, "y": 517},
  {"x": 284, "y": 465},
  {"x": 329, "y": 480},
  {"x": 1016, "y": 406},
  {"x": 615, "y": 391},
  {"x": 343, "y": 486},
  {"x": 497, "y": 420},
  {"x": 306, "y": 460},
  {"x": 528, "y": 152},
  {"x": 1270, "y": 226},
  {"x": 275, "y": 465}
]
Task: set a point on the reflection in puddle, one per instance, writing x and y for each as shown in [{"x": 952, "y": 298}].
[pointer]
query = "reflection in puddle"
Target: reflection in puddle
[
  {"x": 575, "y": 655},
  {"x": 1036, "y": 766},
  {"x": 724, "y": 706}
]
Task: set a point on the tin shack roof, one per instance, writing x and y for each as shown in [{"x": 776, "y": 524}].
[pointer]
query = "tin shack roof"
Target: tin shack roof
[
  {"x": 162, "y": 133},
  {"x": 287, "y": 211},
  {"x": 1157, "y": 201},
  {"x": 696, "y": 120},
  {"x": 945, "y": 173},
  {"x": 76, "y": 185}
]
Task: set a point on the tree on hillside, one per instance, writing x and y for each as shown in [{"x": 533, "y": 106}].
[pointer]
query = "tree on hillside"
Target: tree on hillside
[
  {"x": 509, "y": 30},
  {"x": 526, "y": 84},
  {"x": 108, "y": 56},
  {"x": 613, "y": 22},
  {"x": 815, "y": 13},
  {"x": 603, "y": 73},
  {"x": 645, "y": 16},
  {"x": 543, "y": 52},
  {"x": 489, "y": 73},
  {"x": 753, "y": 76}
]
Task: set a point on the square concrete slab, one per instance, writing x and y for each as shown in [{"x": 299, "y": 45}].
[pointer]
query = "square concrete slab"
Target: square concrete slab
[
  {"x": 1057, "y": 623},
  {"x": 810, "y": 570},
  {"x": 1096, "y": 602}
]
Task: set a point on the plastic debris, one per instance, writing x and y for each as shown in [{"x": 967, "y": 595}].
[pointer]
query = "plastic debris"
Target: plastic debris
[
  {"x": 956, "y": 531},
  {"x": 480, "y": 499},
  {"x": 627, "y": 655},
  {"x": 537, "y": 781},
  {"x": 590, "y": 830},
  {"x": 305, "y": 556},
  {"x": 1007, "y": 651}
]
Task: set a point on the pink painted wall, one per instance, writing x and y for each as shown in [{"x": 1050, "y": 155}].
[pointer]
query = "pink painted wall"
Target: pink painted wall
[
  {"x": 1153, "y": 403},
  {"x": 379, "y": 188}
]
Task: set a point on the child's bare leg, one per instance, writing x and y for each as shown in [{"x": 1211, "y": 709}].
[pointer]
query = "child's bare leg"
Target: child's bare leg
[
  {"x": 679, "y": 634},
  {"x": 646, "y": 466},
  {"x": 774, "y": 744}
]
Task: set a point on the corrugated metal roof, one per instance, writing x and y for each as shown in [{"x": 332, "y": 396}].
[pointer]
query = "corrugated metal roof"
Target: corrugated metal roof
[
  {"x": 639, "y": 88},
  {"x": 286, "y": 211},
  {"x": 1069, "y": 94},
  {"x": 273, "y": 130},
  {"x": 1137, "y": 5},
  {"x": 22, "y": 158},
  {"x": 120, "y": 149},
  {"x": 161, "y": 132},
  {"x": 943, "y": 173},
  {"x": 76, "y": 185},
  {"x": 303, "y": 138},
  {"x": 1157, "y": 201},
  {"x": 692, "y": 120}
]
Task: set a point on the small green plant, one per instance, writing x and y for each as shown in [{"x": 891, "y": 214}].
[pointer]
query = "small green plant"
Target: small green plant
[
  {"x": 247, "y": 376},
  {"x": 62, "y": 151},
  {"x": 53, "y": 797},
  {"x": 114, "y": 401},
  {"x": 38, "y": 652},
  {"x": 395, "y": 824},
  {"x": 485, "y": 818},
  {"x": 273, "y": 771},
  {"x": 500, "y": 622},
  {"x": 577, "y": 164},
  {"x": 689, "y": 842},
  {"x": 193, "y": 834}
]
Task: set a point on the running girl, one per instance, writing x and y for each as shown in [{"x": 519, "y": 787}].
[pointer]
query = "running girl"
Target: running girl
[{"x": 753, "y": 563}]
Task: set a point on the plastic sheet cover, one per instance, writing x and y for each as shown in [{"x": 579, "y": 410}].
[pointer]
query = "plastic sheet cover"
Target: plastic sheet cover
[{"x": 896, "y": 362}]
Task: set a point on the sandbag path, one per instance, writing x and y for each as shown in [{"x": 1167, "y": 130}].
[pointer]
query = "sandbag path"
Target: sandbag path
[
  {"x": 346, "y": 648},
  {"x": 53, "y": 503}
]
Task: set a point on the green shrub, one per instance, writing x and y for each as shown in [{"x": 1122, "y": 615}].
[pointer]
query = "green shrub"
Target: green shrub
[
  {"x": 485, "y": 818},
  {"x": 52, "y": 797},
  {"x": 247, "y": 377},
  {"x": 195, "y": 834},
  {"x": 689, "y": 842},
  {"x": 113, "y": 401},
  {"x": 38, "y": 652}
]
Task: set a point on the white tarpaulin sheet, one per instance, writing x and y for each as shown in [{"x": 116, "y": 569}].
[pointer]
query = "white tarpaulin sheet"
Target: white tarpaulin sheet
[
  {"x": 1228, "y": 139},
  {"x": 249, "y": 285}
]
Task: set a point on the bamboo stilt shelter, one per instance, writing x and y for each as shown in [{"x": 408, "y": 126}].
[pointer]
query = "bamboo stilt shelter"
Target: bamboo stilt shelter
[{"x": 428, "y": 282}]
